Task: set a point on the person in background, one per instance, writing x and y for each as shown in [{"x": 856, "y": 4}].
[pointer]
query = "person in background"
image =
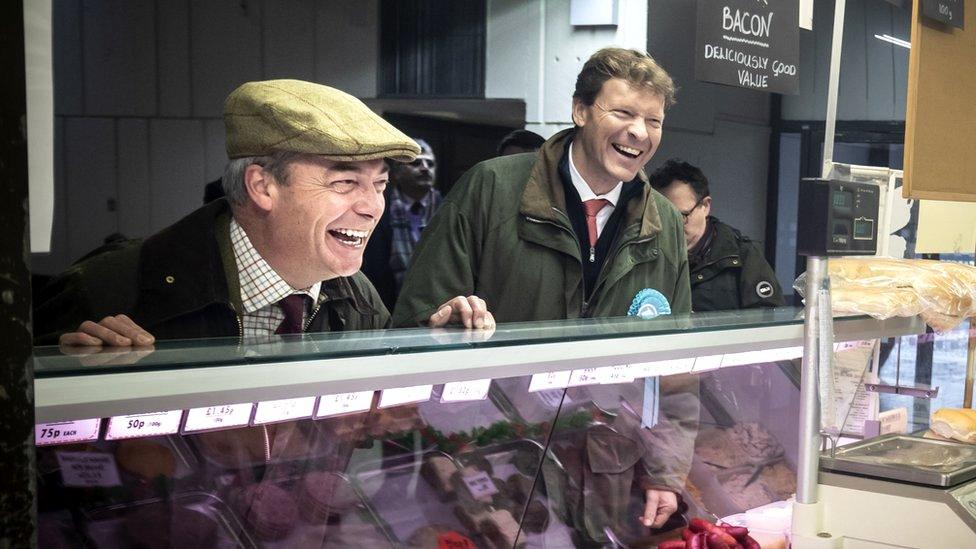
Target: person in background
[
  {"x": 411, "y": 200},
  {"x": 576, "y": 231},
  {"x": 728, "y": 270},
  {"x": 520, "y": 141},
  {"x": 280, "y": 254}
]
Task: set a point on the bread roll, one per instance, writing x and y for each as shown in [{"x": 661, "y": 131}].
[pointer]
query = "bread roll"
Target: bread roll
[{"x": 955, "y": 423}]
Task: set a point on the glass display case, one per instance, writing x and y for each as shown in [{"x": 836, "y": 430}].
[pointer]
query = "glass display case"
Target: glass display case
[{"x": 549, "y": 434}]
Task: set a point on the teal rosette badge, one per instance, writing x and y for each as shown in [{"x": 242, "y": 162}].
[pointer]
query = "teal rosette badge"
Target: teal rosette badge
[{"x": 649, "y": 303}]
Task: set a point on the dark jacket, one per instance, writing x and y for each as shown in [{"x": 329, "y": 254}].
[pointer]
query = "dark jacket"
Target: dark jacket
[
  {"x": 376, "y": 256},
  {"x": 182, "y": 283},
  {"x": 502, "y": 233},
  {"x": 731, "y": 273}
]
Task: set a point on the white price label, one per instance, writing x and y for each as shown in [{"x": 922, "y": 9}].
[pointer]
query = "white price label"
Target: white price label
[
  {"x": 480, "y": 485},
  {"x": 461, "y": 391},
  {"x": 273, "y": 411},
  {"x": 66, "y": 432},
  {"x": 405, "y": 395},
  {"x": 144, "y": 425},
  {"x": 82, "y": 469},
  {"x": 586, "y": 376},
  {"x": 618, "y": 374},
  {"x": 344, "y": 403},
  {"x": 550, "y": 380},
  {"x": 706, "y": 363},
  {"x": 667, "y": 367},
  {"x": 218, "y": 417}
]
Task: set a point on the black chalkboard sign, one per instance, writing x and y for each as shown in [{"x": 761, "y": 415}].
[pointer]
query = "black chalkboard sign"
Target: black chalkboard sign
[
  {"x": 749, "y": 43},
  {"x": 946, "y": 11}
]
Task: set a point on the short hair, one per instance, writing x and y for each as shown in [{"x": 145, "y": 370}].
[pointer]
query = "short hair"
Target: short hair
[
  {"x": 676, "y": 169},
  {"x": 638, "y": 68},
  {"x": 276, "y": 163},
  {"x": 523, "y": 139}
]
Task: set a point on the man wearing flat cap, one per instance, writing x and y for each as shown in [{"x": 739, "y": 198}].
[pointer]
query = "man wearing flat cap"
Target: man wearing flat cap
[{"x": 281, "y": 254}]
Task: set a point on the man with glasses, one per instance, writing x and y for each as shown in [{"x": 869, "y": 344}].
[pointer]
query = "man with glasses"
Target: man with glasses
[
  {"x": 411, "y": 200},
  {"x": 728, "y": 270}
]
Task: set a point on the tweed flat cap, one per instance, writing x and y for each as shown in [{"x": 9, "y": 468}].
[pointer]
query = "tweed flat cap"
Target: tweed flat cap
[{"x": 292, "y": 115}]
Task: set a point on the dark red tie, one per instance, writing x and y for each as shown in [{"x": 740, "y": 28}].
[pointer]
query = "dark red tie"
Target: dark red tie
[
  {"x": 591, "y": 208},
  {"x": 294, "y": 308}
]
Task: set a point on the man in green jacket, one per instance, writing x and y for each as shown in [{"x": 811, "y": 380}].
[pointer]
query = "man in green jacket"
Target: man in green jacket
[
  {"x": 280, "y": 254},
  {"x": 573, "y": 231},
  {"x": 728, "y": 270}
]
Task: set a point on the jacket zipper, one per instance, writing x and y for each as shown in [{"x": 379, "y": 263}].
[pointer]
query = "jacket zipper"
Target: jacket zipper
[
  {"x": 585, "y": 307},
  {"x": 240, "y": 329},
  {"x": 311, "y": 317}
]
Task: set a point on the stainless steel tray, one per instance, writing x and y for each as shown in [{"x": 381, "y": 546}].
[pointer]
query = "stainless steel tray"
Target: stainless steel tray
[{"x": 906, "y": 458}]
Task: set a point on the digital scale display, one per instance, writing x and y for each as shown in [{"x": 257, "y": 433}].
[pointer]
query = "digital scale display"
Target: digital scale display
[{"x": 843, "y": 199}]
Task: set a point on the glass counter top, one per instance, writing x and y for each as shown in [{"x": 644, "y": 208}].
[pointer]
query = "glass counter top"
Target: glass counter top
[{"x": 50, "y": 361}]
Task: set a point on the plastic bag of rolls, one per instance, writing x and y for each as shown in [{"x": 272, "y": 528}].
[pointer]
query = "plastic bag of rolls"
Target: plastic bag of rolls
[{"x": 942, "y": 293}]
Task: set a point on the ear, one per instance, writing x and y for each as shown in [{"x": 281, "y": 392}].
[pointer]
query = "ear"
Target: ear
[
  {"x": 579, "y": 113},
  {"x": 260, "y": 186},
  {"x": 706, "y": 205}
]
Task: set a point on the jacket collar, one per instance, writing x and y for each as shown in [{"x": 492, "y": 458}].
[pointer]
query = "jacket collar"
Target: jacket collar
[
  {"x": 544, "y": 197},
  {"x": 186, "y": 267}
]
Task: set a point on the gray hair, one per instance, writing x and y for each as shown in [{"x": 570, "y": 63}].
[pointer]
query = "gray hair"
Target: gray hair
[{"x": 233, "y": 180}]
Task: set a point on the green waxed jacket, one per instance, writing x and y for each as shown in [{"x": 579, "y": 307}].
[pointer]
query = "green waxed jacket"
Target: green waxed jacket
[
  {"x": 182, "y": 283},
  {"x": 503, "y": 234}
]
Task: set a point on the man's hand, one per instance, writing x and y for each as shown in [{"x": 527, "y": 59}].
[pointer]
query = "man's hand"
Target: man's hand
[
  {"x": 659, "y": 505},
  {"x": 114, "y": 331},
  {"x": 470, "y": 311}
]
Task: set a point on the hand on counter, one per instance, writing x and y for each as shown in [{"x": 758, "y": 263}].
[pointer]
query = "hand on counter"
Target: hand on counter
[
  {"x": 96, "y": 355},
  {"x": 659, "y": 505},
  {"x": 470, "y": 312},
  {"x": 113, "y": 331}
]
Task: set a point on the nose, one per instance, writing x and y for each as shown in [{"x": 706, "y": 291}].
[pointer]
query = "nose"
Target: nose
[
  {"x": 370, "y": 203},
  {"x": 638, "y": 129}
]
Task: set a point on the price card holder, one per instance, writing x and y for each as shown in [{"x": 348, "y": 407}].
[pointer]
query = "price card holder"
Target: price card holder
[
  {"x": 617, "y": 374},
  {"x": 344, "y": 403},
  {"x": 707, "y": 363},
  {"x": 84, "y": 469},
  {"x": 550, "y": 380},
  {"x": 405, "y": 395},
  {"x": 144, "y": 425},
  {"x": 66, "y": 432},
  {"x": 585, "y": 376},
  {"x": 480, "y": 485},
  {"x": 213, "y": 418},
  {"x": 288, "y": 409},
  {"x": 667, "y": 367},
  {"x": 462, "y": 391}
]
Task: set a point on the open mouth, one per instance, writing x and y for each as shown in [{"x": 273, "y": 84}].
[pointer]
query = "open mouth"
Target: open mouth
[
  {"x": 629, "y": 152},
  {"x": 350, "y": 237}
]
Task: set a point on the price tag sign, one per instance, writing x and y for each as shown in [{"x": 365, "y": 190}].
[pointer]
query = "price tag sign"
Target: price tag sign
[
  {"x": 462, "y": 391},
  {"x": 66, "y": 432},
  {"x": 344, "y": 403},
  {"x": 550, "y": 380},
  {"x": 218, "y": 417},
  {"x": 706, "y": 363},
  {"x": 480, "y": 485},
  {"x": 618, "y": 374},
  {"x": 82, "y": 469},
  {"x": 586, "y": 376},
  {"x": 144, "y": 425},
  {"x": 667, "y": 367},
  {"x": 274, "y": 411},
  {"x": 405, "y": 395}
]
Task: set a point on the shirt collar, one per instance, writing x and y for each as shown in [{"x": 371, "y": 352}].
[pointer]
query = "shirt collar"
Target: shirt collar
[
  {"x": 407, "y": 201},
  {"x": 584, "y": 190},
  {"x": 260, "y": 284}
]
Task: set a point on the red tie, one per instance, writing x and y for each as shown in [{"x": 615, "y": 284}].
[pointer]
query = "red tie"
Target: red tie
[
  {"x": 591, "y": 208},
  {"x": 294, "y": 307}
]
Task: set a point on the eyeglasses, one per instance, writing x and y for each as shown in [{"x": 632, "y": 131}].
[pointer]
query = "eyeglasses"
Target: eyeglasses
[{"x": 686, "y": 215}]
